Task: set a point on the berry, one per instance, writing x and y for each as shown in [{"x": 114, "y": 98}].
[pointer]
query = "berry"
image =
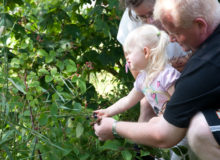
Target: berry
[
  {"x": 95, "y": 115},
  {"x": 87, "y": 118}
]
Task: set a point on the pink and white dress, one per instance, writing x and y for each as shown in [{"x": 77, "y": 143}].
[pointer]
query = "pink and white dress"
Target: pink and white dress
[{"x": 157, "y": 93}]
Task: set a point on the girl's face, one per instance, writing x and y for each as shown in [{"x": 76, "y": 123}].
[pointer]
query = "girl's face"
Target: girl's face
[
  {"x": 136, "y": 59},
  {"x": 145, "y": 13}
]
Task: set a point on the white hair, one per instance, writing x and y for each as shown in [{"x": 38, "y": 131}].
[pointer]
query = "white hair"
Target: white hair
[
  {"x": 184, "y": 12},
  {"x": 156, "y": 40}
]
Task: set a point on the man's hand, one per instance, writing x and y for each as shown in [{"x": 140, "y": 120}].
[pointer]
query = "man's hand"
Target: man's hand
[
  {"x": 104, "y": 129},
  {"x": 180, "y": 62}
]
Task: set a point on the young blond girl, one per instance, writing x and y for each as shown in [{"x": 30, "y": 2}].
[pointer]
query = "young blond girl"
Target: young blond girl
[{"x": 145, "y": 52}]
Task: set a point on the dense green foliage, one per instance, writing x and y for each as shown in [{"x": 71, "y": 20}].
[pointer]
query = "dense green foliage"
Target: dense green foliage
[{"x": 48, "y": 50}]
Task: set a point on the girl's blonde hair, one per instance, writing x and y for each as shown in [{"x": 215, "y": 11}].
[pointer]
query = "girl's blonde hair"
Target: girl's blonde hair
[{"x": 156, "y": 40}]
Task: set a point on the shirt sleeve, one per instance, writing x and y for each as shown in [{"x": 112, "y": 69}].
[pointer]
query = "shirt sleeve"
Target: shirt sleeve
[
  {"x": 168, "y": 77},
  {"x": 126, "y": 25},
  {"x": 194, "y": 92}
]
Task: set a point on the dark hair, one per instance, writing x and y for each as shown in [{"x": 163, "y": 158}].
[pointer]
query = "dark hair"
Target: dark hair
[{"x": 130, "y": 4}]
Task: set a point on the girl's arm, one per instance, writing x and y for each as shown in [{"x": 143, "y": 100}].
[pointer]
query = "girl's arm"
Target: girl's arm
[
  {"x": 146, "y": 111},
  {"x": 170, "y": 91},
  {"x": 121, "y": 105}
]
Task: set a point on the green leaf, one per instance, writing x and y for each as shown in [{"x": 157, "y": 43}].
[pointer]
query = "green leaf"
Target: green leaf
[
  {"x": 8, "y": 152},
  {"x": 60, "y": 64},
  {"x": 79, "y": 129},
  {"x": 112, "y": 145},
  {"x": 176, "y": 150},
  {"x": 183, "y": 149},
  {"x": 18, "y": 86},
  {"x": 53, "y": 110},
  {"x": 68, "y": 149},
  {"x": 126, "y": 155},
  {"x": 75, "y": 150},
  {"x": 27, "y": 113},
  {"x": 84, "y": 156},
  {"x": 15, "y": 62},
  {"x": 43, "y": 119},
  {"x": 48, "y": 78},
  {"x": 47, "y": 21},
  {"x": 34, "y": 84},
  {"x": 112, "y": 4},
  {"x": 71, "y": 30},
  {"x": 42, "y": 53},
  {"x": 64, "y": 107},
  {"x": 70, "y": 123},
  {"x": 53, "y": 71},
  {"x": 49, "y": 59},
  {"x": 58, "y": 93},
  {"x": 42, "y": 71},
  {"x": 77, "y": 106},
  {"x": 70, "y": 66},
  {"x": 82, "y": 86},
  {"x": 145, "y": 153},
  {"x": 101, "y": 25},
  {"x": 187, "y": 157},
  {"x": 6, "y": 20},
  {"x": 6, "y": 136},
  {"x": 68, "y": 86}
]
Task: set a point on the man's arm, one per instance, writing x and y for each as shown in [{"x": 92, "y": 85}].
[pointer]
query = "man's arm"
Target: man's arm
[{"x": 157, "y": 132}]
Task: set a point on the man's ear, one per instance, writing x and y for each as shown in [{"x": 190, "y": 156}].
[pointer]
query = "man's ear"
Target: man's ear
[
  {"x": 202, "y": 25},
  {"x": 146, "y": 52}
]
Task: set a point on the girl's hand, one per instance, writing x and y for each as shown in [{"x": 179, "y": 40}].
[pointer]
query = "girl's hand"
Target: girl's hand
[{"x": 101, "y": 113}]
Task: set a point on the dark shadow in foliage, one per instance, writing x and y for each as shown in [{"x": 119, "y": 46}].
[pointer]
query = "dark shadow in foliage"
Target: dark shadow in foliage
[{"x": 91, "y": 96}]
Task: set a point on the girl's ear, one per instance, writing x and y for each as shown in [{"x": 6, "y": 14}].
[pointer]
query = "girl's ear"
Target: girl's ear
[{"x": 146, "y": 52}]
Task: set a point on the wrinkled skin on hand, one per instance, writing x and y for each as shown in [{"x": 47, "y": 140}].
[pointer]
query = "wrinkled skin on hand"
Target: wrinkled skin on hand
[
  {"x": 180, "y": 62},
  {"x": 104, "y": 129}
]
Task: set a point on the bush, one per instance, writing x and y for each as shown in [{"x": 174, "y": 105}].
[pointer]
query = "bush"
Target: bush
[{"x": 48, "y": 51}]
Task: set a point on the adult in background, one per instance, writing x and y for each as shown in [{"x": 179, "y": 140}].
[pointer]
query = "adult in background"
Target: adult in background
[{"x": 194, "y": 106}]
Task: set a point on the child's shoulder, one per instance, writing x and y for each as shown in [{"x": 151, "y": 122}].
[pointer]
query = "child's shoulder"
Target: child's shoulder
[
  {"x": 169, "y": 69},
  {"x": 168, "y": 75}
]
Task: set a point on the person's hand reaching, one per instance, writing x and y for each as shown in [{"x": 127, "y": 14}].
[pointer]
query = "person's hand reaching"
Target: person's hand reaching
[
  {"x": 101, "y": 113},
  {"x": 104, "y": 129}
]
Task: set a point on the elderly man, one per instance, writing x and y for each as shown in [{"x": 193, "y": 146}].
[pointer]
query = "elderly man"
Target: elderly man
[
  {"x": 193, "y": 108},
  {"x": 195, "y": 24}
]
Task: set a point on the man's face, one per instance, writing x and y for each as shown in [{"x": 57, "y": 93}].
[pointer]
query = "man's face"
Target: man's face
[{"x": 188, "y": 38}]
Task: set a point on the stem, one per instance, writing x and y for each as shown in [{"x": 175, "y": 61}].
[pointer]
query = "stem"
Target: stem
[{"x": 31, "y": 116}]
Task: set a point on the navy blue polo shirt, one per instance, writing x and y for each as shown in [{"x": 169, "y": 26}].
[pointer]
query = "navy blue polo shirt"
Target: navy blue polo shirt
[{"x": 198, "y": 87}]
